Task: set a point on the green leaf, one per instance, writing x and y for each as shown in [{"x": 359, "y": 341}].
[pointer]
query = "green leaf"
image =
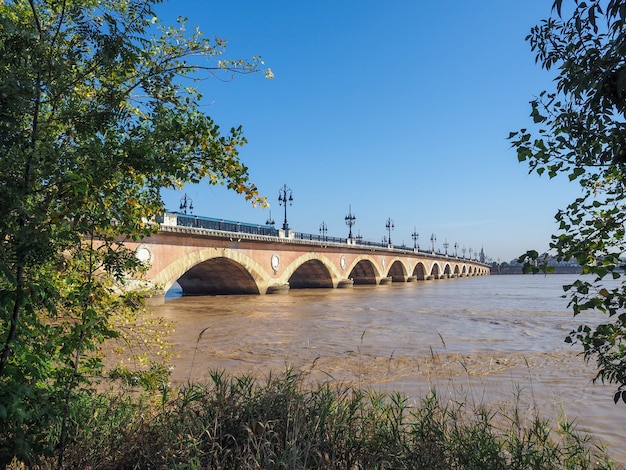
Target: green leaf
[{"x": 576, "y": 173}]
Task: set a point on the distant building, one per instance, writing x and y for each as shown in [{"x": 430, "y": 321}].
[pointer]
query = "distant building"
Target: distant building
[{"x": 560, "y": 267}]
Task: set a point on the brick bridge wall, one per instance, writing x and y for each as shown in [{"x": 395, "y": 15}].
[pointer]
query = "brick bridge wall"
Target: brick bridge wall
[{"x": 206, "y": 261}]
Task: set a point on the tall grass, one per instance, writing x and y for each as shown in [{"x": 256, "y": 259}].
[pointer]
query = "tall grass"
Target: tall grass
[{"x": 237, "y": 422}]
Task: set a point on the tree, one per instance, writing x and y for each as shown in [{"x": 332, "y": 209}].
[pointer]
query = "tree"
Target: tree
[
  {"x": 580, "y": 131},
  {"x": 97, "y": 113}
]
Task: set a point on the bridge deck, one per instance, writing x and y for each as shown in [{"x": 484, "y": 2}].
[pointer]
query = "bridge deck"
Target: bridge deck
[{"x": 243, "y": 260}]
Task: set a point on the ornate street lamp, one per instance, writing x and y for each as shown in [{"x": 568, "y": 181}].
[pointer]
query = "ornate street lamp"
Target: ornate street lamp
[
  {"x": 186, "y": 202},
  {"x": 433, "y": 239},
  {"x": 389, "y": 226},
  {"x": 270, "y": 221},
  {"x": 456, "y": 247},
  {"x": 415, "y": 236},
  {"x": 470, "y": 252},
  {"x": 359, "y": 238},
  {"x": 350, "y": 220},
  {"x": 285, "y": 196},
  {"x": 463, "y": 250},
  {"x": 445, "y": 246},
  {"x": 323, "y": 230}
]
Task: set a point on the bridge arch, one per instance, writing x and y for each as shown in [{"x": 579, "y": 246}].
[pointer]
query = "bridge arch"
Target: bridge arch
[
  {"x": 435, "y": 271},
  {"x": 311, "y": 270},
  {"x": 213, "y": 271},
  {"x": 420, "y": 271},
  {"x": 364, "y": 270},
  {"x": 397, "y": 271},
  {"x": 217, "y": 275}
]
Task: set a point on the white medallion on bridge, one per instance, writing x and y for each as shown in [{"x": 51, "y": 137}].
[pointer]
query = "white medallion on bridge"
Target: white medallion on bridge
[
  {"x": 383, "y": 263},
  {"x": 342, "y": 262},
  {"x": 275, "y": 262},
  {"x": 144, "y": 255}
]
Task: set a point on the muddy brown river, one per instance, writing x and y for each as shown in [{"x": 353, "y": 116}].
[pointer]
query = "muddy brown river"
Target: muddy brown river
[{"x": 487, "y": 340}]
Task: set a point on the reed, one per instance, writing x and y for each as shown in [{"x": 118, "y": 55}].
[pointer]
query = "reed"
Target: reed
[{"x": 236, "y": 422}]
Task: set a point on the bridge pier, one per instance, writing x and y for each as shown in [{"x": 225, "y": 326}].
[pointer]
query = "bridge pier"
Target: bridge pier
[
  {"x": 345, "y": 283},
  {"x": 278, "y": 289}
]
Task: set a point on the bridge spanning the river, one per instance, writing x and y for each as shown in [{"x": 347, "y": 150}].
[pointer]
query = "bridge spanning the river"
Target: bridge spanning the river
[{"x": 210, "y": 257}]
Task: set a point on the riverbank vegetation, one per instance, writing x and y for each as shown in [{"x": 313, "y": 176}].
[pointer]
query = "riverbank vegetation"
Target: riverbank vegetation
[{"x": 235, "y": 422}]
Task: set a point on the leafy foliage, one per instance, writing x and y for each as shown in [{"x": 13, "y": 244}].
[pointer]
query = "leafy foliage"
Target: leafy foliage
[
  {"x": 580, "y": 131},
  {"x": 97, "y": 113}
]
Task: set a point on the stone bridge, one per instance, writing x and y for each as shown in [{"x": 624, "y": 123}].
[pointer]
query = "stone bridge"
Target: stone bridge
[{"x": 207, "y": 262}]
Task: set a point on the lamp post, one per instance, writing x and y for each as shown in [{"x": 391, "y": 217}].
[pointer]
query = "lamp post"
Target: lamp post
[
  {"x": 284, "y": 196},
  {"x": 359, "y": 238},
  {"x": 456, "y": 248},
  {"x": 463, "y": 250},
  {"x": 389, "y": 226},
  {"x": 445, "y": 246},
  {"x": 470, "y": 252},
  {"x": 186, "y": 202},
  {"x": 270, "y": 221},
  {"x": 433, "y": 239},
  {"x": 323, "y": 230},
  {"x": 350, "y": 221},
  {"x": 415, "y": 236}
]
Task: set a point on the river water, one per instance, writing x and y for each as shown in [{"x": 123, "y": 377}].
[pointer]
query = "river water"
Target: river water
[{"x": 485, "y": 340}]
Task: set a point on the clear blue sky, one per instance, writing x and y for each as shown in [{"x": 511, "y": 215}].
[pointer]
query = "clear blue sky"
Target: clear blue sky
[{"x": 400, "y": 108}]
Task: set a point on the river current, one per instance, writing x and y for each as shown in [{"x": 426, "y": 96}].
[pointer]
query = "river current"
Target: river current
[{"x": 486, "y": 340}]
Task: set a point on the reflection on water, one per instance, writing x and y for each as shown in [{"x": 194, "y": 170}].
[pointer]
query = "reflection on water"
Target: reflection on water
[{"x": 487, "y": 338}]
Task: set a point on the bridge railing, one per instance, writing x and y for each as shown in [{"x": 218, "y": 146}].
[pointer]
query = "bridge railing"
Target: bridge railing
[
  {"x": 369, "y": 243},
  {"x": 318, "y": 238},
  {"x": 185, "y": 220}
]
